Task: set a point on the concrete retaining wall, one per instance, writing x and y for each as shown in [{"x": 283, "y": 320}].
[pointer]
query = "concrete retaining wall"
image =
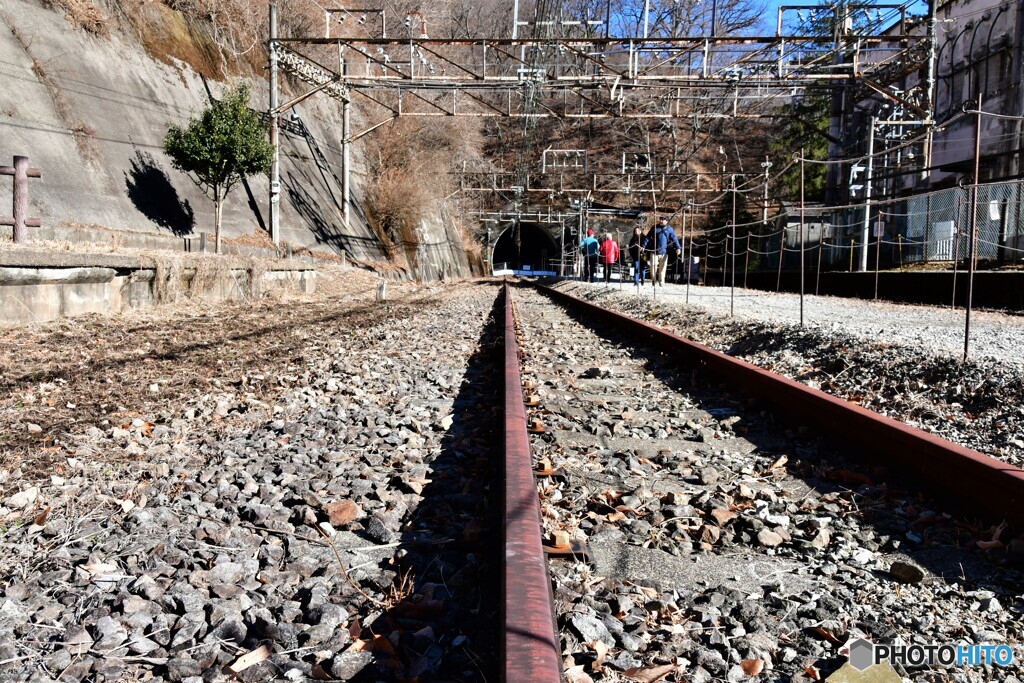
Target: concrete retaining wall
[{"x": 41, "y": 287}]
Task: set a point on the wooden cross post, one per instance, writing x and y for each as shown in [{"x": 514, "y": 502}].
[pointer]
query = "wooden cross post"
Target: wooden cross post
[{"x": 20, "y": 220}]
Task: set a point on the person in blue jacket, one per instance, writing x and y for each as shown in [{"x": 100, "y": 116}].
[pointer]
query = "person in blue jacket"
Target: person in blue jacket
[
  {"x": 590, "y": 248},
  {"x": 656, "y": 244}
]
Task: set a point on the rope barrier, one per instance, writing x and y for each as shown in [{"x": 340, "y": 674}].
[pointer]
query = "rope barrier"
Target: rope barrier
[
  {"x": 994, "y": 115},
  {"x": 1001, "y": 246},
  {"x": 905, "y": 243}
]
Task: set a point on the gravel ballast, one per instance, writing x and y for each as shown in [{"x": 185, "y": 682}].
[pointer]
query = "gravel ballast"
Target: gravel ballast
[
  {"x": 728, "y": 549},
  {"x": 303, "y": 495},
  {"x": 978, "y": 404},
  {"x": 932, "y": 330}
]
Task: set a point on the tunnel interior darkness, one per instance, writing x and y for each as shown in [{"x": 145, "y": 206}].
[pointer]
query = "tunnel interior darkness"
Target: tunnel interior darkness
[{"x": 537, "y": 250}]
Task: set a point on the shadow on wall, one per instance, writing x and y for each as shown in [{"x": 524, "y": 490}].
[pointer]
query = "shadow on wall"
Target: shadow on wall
[
  {"x": 310, "y": 211},
  {"x": 154, "y": 196}
]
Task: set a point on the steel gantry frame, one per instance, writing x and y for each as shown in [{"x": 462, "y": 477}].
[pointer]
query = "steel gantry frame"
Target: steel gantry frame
[{"x": 586, "y": 77}]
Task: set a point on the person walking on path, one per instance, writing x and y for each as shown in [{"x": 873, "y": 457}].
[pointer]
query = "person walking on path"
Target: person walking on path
[
  {"x": 636, "y": 255},
  {"x": 590, "y": 250},
  {"x": 657, "y": 243},
  {"x": 609, "y": 256}
]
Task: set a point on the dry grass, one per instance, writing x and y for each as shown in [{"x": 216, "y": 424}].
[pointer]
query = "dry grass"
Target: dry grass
[
  {"x": 409, "y": 165},
  {"x": 85, "y": 14},
  {"x": 168, "y": 35}
]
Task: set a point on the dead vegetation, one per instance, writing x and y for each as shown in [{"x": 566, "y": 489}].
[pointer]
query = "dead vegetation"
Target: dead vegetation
[
  {"x": 82, "y": 368},
  {"x": 410, "y": 164},
  {"x": 85, "y": 14}
]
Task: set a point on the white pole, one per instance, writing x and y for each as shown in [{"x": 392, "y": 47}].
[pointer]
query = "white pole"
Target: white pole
[
  {"x": 865, "y": 230},
  {"x": 346, "y": 186},
  {"x": 275, "y": 167}
]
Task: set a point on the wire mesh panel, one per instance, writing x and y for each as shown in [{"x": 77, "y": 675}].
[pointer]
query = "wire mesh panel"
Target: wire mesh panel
[
  {"x": 999, "y": 225},
  {"x": 938, "y": 224},
  {"x": 930, "y": 227},
  {"x": 933, "y": 223}
]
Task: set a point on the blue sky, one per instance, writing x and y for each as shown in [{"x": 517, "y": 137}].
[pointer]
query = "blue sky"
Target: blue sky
[{"x": 913, "y": 7}]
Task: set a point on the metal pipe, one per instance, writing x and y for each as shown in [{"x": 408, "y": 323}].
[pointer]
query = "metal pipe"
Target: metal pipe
[
  {"x": 732, "y": 282},
  {"x": 689, "y": 262},
  {"x": 20, "y": 203}
]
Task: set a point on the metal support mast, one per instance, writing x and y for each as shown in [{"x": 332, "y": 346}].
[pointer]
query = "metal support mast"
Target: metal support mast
[
  {"x": 866, "y": 228},
  {"x": 275, "y": 168},
  {"x": 346, "y": 166}
]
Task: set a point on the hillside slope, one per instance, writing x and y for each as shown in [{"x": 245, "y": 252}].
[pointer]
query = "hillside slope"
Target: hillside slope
[{"x": 91, "y": 111}]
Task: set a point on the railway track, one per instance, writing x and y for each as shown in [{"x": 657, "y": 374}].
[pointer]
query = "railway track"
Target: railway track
[
  {"x": 707, "y": 520},
  {"x": 330, "y": 511}
]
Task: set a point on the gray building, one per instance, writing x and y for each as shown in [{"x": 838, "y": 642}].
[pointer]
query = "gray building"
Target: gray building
[{"x": 915, "y": 189}]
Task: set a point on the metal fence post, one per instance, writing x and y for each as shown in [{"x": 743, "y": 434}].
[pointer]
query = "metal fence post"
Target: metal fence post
[
  {"x": 20, "y": 209},
  {"x": 802, "y": 237},
  {"x": 19, "y": 216},
  {"x": 972, "y": 244}
]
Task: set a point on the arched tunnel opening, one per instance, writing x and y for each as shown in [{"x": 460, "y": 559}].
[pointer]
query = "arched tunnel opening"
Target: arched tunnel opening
[{"x": 537, "y": 249}]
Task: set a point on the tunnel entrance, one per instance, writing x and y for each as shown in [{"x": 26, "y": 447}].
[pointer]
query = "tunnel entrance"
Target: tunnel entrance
[{"x": 538, "y": 249}]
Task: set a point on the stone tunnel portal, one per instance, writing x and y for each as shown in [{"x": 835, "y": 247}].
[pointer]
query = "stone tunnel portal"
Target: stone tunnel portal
[{"x": 537, "y": 249}]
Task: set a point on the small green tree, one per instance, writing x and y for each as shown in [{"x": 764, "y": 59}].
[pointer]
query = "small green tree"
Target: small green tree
[{"x": 225, "y": 144}]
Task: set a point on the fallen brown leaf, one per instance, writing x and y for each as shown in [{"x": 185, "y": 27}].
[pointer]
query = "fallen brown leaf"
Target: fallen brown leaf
[
  {"x": 752, "y": 667},
  {"x": 825, "y": 634},
  {"x": 318, "y": 674},
  {"x": 341, "y": 512},
  {"x": 723, "y": 516},
  {"x": 601, "y": 651}
]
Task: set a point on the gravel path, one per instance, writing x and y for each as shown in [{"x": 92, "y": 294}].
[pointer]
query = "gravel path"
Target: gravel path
[
  {"x": 725, "y": 549},
  {"x": 928, "y": 329},
  {"x": 979, "y": 404},
  {"x": 304, "y": 495}
]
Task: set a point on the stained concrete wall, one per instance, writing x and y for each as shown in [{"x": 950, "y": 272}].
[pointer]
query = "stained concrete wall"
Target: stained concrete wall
[
  {"x": 92, "y": 112},
  {"x": 37, "y": 287}
]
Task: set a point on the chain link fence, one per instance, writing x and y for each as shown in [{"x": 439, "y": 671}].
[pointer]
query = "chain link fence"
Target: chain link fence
[
  {"x": 930, "y": 227},
  {"x": 939, "y": 224}
]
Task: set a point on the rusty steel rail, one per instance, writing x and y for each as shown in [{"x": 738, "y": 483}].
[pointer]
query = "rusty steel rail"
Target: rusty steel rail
[
  {"x": 975, "y": 484},
  {"x": 530, "y": 647}
]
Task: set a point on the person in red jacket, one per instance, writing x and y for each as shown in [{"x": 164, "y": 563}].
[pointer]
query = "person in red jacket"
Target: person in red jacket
[{"x": 609, "y": 255}]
